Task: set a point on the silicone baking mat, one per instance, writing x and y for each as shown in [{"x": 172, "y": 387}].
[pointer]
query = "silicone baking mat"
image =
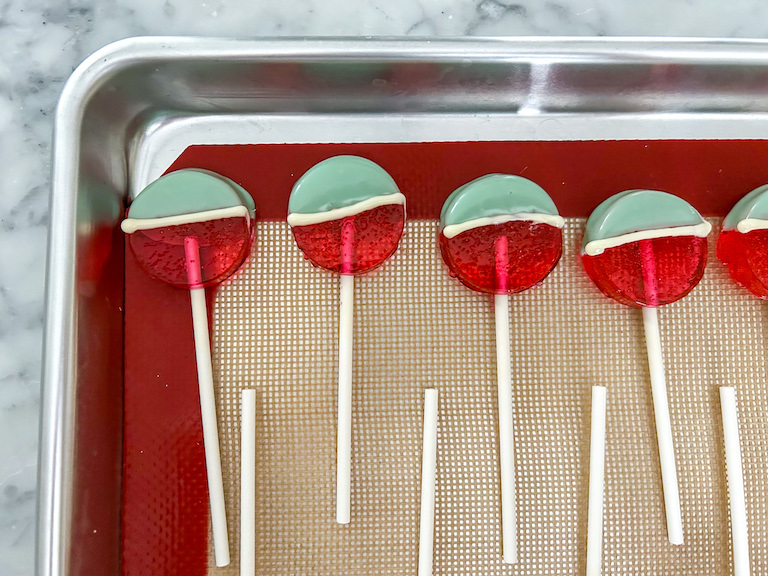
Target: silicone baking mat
[{"x": 275, "y": 330}]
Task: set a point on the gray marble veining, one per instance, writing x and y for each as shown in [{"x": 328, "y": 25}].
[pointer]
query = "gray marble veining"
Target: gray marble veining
[{"x": 42, "y": 41}]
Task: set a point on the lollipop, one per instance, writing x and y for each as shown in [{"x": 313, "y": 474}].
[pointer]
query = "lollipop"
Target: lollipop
[
  {"x": 743, "y": 243},
  {"x": 500, "y": 235},
  {"x": 347, "y": 216},
  {"x": 647, "y": 248},
  {"x": 193, "y": 229}
]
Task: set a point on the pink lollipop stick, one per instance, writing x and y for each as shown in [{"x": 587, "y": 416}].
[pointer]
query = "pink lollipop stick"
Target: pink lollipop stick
[
  {"x": 207, "y": 402},
  {"x": 506, "y": 416},
  {"x": 346, "y": 330},
  {"x": 659, "y": 393}
]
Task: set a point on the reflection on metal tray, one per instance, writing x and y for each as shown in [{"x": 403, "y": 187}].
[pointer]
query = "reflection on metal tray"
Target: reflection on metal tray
[{"x": 132, "y": 108}]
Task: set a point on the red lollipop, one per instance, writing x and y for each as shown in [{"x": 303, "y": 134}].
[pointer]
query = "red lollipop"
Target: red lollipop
[
  {"x": 743, "y": 242},
  {"x": 347, "y": 216},
  {"x": 193, "y": 229},
  {"x": 743, "y": 248},
  {"x": 647, "y": 248},
  {"x": 352, "y": 244},
  {"x": 500, "y": 235}
]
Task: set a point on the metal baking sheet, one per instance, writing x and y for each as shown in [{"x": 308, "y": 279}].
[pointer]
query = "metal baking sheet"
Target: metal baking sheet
[{"x": 132, "y": 108}]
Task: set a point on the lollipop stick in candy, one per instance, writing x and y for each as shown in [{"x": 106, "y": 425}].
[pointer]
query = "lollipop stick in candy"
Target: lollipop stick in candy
[
  {"x": 659, "y": 393},
  {"x": 506, "y": 417},
  {"x": 192, "y": 229},
  {"x": 501, "y": 234},
  {"x": 646, "y": 248},
  {"x": 428, "y": 475},
  {"x": 347, "y": 216},
  {"x": 207, "y": 402},
  {"x": 248, "y": 484},
  {"x": 596, "y": 482},
  {"x": 736, "y": 500},
  {"x": 346, "y": 339}
]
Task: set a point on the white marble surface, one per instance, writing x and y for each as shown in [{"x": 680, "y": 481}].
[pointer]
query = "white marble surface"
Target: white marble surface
[{"x": 41, "y": 42}]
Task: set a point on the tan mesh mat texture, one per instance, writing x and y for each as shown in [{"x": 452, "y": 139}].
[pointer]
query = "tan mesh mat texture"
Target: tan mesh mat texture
[{"x": 415, "y": 327}]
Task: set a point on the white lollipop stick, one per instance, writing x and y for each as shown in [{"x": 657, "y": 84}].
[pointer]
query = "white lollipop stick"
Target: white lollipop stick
[
  {"x": 207, "y": 403},
  {"x": 428, "y": 473},
  {"x": 660, "y": 404},
  {"x": 248, "y": 484},
  {"x": 346, "y": 336},
  {"x": 663, "y": 426},
  {"x": 596, "y": 483},
  {"x": 736, "y": 500},
  {"x": 344, "y": 438},
  {"x": 506, "y": 417}
]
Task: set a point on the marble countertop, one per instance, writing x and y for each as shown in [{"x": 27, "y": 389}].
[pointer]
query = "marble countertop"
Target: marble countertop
[{"x": 42, "y": 41}]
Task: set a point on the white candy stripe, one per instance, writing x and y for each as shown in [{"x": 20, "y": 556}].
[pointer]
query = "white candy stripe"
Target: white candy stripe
[
  {"x": 596, "y": 247},
  {"x": 749, "y": 224},
  {"x": 302, "y": 219},
  {"x": 455, "y": 229},
  {"x": 131, "y": 225}
]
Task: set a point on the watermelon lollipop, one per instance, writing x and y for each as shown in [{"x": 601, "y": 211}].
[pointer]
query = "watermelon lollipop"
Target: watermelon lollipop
[
  {"x": 500, "y": 235},
  {"x": 347, "y": 216},
  {"x": 743, "y": 247},
  {"x": 647, "y": 248},
  {"x": 743, "y": 242},
  {"x": 193, "y": 229}
]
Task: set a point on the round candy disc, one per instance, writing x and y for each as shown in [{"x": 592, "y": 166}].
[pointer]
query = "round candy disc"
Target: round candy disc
[
  {"x": 191, "y": 204},
  {"x": 743, "y": 243},
  {"x": 500, "y": 234},
  {"x": 347, "y": 214},
  {"x": 645, "y": 248}
]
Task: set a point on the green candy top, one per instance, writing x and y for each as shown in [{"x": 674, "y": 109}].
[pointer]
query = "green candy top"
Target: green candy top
[
  {"x": 189, "y": 191},
  {"x": 495, "y": 195},
  {"x": 339, "y": 182},
  {"x": 637, "y": 211},
  {"x": 753, "y": 206}
]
